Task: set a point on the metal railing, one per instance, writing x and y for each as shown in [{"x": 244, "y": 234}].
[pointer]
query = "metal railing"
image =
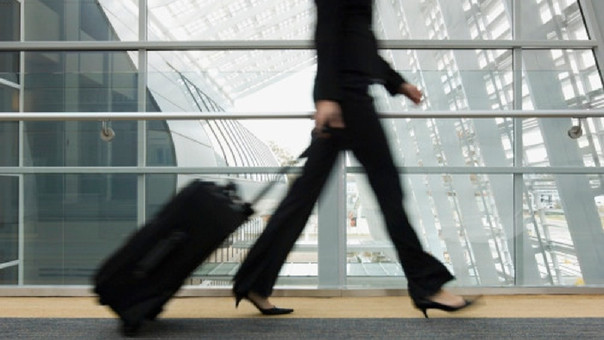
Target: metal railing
[
  {"x": 235, "y": 45},
  {"x": 54, "y": 116}
]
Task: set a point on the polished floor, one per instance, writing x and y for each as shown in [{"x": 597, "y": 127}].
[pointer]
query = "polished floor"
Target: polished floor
[{"x": 490, "y": 306}]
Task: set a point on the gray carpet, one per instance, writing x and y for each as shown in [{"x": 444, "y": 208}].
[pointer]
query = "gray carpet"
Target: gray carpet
[{"x": 292, "y": 329}]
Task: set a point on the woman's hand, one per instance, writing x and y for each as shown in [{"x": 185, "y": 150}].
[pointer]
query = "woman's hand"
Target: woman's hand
[
  {"x": 412, "y": 92},
  {"x": 328, "y": 114}
]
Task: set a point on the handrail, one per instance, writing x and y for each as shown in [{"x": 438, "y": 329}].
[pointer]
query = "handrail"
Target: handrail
[
  {"x": 214, "y": 45},
  {"x": 236, "y": 170},
  {"x": 99, "y": 116}
]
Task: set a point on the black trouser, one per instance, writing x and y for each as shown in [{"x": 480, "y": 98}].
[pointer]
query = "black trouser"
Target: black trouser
[{"x": 365, "y": 136}]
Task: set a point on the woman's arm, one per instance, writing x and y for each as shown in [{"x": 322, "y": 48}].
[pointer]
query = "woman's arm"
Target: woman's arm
[
  {"x": 396, "y": 84},
  {"x": 391, "y": 79}
]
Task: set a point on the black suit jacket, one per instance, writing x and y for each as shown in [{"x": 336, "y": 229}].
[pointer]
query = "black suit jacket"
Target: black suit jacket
[{"x": 345, "y": 44}]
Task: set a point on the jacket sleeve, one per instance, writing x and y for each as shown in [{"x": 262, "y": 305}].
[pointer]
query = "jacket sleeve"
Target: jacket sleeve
[
  {"x": 328, "y": 45},
  {"x": 388, "y": 77}
]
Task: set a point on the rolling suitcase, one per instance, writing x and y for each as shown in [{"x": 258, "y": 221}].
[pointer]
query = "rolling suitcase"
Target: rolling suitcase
[{"x": 142, "y": 275}]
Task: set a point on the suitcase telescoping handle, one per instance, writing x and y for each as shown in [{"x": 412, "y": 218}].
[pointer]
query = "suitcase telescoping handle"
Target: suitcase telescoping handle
[
  {"x": 337, "y": 133},
  {"x": 284, "y": 169}
]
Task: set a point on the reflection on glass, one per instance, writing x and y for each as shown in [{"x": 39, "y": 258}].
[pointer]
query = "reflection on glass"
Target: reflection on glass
[
  {"x": 9, "y": 139},
  {"x": 81, "y": 20},
  {"x": 561, "y": 79},
  {"x": 160, "y": 145},
  {"x": 452, "y": 80},
  {"x": 451, "y": 142},
  {"x": 9, "y": 131},
  {"x": 9, "y": 69},
  {"x": 543, "y": 140},
  {"x": 9, "y": 230},
  {"x": 439, "y": 20},
  {"x": 76, "y": 82},
  {"x": 74, "y": 222},
  {"x": 159, "y": 190},
  {"x": 552, "y": 20},
  {"x": 80, "y": 81},
  {"x": 79, "y": 144},
  {"x": 10, "y": 30}
]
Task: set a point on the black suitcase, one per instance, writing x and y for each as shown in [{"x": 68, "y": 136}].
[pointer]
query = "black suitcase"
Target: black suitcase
[{"x": 141, "y": 276}]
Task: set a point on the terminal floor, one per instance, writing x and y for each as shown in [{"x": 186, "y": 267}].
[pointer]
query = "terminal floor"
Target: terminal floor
[{"x": 490, "y": 306}]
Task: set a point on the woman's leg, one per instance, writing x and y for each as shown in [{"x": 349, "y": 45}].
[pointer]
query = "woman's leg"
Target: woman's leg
[
  {"x": 258, "y": 272},
  {"x": 425, "y": 274}
]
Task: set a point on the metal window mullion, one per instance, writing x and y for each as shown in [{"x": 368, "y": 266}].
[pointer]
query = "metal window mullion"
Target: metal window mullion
[
  {"x": 142, "y": 107},
  {"x": 21, "y": 193},
  {"x": 517, "y": 178}
]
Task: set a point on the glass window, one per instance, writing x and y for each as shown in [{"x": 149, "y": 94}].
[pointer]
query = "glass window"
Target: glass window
[
  {"x": 79, "y": 144},
  {"x": 9, "y": 229},
  {"x": 452, "y": 80},
  {"x": 463, "y": 220},
  {"x": 74, "y": 220},
  {"x": 9, "y": 139},
  {"x": 73, "y": 223},
  {"x": 552, "y": 20},
  {"x": 563, "y": 230},
  {"x": 159, "y": 190},
  {"x": 9, "y": 131},
  {"x": 451, "y": 142},
  {"x": 235, "y": 20},
  {"x": 80, "y": 82},
  {"x": 9, "y": 68},
  {"x": 160, "y": 147},
  {"x": 561, "y": 79},
  {"x": 547, "y": 142},
  {"x": 81, "y": 20},
  {"x": 10, "y": 22},
  {"x": 439, "y": 20}
]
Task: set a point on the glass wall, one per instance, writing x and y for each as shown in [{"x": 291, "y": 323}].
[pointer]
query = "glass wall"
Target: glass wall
[{"x": 502, "y": 200}]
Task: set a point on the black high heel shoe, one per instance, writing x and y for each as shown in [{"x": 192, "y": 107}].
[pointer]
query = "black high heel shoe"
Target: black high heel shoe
[
  {"x": 265, "y": 311},
  {"x": 424, "y": 304}
]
